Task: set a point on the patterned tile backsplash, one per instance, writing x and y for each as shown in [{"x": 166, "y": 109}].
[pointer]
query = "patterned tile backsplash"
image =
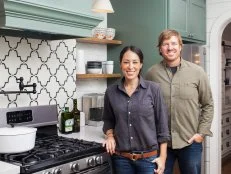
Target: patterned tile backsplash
[{"x": 49, "y": 64}]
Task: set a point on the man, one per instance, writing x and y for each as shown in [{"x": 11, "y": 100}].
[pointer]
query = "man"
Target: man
[{"x": 188, "y": 96}]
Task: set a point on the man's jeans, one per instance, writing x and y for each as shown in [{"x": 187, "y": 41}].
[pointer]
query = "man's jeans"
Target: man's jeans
[
  {"x": 189, "y": 159},
  {"x": 122, "y": 165}
]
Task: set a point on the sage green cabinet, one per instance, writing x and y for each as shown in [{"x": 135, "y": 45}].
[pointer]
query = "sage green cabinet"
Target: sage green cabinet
[
  {"x": 188, "y": 17},
  {"x": 143, "y": 22},
  {"x": 48, "y": 19},
  {"x": 80, "y": 6}
]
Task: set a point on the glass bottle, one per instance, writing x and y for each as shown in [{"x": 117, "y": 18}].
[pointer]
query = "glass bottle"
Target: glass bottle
[
  {"x": 67, "y": 121},
  {"x": 76, "y": 116}
]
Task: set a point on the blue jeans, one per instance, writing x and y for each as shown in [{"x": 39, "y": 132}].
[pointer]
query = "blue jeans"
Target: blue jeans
[
  {"x": 189, "y": 159},
  {"x": 122, "y": 165}
]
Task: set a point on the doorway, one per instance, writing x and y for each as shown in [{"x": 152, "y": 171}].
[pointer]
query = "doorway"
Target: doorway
[
  {"x": 214, "y": 47},
  {"x": 226, "y": 101}
]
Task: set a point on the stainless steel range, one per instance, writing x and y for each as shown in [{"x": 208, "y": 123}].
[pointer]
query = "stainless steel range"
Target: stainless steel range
[{"x": 53, "y": 154}]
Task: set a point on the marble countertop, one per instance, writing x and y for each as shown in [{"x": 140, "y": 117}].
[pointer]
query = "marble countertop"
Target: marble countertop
[
  {"x": 89, "y": 133},
  {"x": 6, "y": 168}
]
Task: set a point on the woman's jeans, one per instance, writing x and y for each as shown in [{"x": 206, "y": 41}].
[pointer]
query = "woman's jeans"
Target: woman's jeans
[
  {"x": 122, "y": 165},
  {"x": 189, "y": 159}
]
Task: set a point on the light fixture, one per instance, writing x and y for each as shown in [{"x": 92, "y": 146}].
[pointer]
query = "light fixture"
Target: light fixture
[
  {"x": 102, "y": 6},
  {"x": 196, "y": 58}
]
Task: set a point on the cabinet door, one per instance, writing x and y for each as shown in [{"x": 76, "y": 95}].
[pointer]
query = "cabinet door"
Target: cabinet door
[
  {"x": 188, "y": 18},
  {"x": 197, "y": 20},
  {"x": 178, "y": 11}
]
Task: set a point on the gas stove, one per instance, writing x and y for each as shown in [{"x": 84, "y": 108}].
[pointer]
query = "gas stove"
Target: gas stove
[{"x": 54, "y": 154}]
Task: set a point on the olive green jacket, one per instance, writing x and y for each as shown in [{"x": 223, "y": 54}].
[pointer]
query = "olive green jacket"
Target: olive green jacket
[{"x": 188, "y": 97}]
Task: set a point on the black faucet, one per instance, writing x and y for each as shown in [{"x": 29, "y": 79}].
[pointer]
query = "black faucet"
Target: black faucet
[{"x": 21, "y": 87}]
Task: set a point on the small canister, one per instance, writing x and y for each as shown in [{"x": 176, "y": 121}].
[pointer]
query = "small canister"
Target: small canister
[{"x": 109, "y": 67}]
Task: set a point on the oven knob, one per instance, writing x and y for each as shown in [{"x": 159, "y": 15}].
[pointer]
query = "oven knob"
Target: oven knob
[
  {"x": 99, "y": 160},
  {"x": 57, "y": 171},
  {"x": 75, "y": 167},
  {"x": 91, "y": 162}
]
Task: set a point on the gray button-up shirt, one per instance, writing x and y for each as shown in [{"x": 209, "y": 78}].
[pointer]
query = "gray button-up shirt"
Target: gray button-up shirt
[
  {"x": 188, "y": 97},
  {"x": 140, "y": 122}
]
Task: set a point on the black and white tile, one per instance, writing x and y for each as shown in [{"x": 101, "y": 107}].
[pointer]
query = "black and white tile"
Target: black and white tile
[{"x": 49, "y": 64}]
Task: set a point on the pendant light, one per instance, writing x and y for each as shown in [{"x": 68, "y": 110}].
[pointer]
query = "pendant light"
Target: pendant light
[{"x": 102, "y": 6}]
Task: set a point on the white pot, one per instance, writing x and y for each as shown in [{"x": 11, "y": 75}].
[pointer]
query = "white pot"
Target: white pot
[{"x": 17, "y": 139}]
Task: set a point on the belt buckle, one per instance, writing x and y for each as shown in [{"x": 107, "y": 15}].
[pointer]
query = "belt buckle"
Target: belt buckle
[{"x": 133, "y": 157}]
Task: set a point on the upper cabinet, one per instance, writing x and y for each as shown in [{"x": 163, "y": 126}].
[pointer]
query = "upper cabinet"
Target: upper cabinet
[
  {"x": 188, "y": 18},
  {"x": 47, "y": 19},
  {"x": 142, "y": 25}
]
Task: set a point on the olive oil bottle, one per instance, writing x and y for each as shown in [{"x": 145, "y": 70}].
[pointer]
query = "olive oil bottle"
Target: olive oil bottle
[
  {"x": 76, "y": 116},
  {"x": 67, "y": 121}
]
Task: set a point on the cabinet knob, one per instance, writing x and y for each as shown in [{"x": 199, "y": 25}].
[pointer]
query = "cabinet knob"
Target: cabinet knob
[{"x": 190, "y": 35}]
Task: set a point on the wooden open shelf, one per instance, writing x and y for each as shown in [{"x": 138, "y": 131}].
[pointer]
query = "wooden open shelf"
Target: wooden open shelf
[
  {"x": 97, "y": 76},
  {"x": 99, "y": 41}
]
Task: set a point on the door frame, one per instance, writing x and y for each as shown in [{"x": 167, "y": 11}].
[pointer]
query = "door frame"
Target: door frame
[{"x": 213, "y": 145}]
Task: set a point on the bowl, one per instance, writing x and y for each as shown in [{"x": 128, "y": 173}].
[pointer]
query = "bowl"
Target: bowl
[
  {"x": 110, "y": 33},
  {"x": 94, "y": 70},
  {"x": 99, "y": 33},
  {"x": 96, "y": 64}
]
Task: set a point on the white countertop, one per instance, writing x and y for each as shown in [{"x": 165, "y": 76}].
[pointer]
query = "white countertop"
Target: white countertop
[
  {"x": 89, "y": 133},
  {"x": 6, "y": 168}
]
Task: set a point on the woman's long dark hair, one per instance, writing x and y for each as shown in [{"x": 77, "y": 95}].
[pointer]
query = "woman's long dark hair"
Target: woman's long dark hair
[{"x": 133, "y": 49}]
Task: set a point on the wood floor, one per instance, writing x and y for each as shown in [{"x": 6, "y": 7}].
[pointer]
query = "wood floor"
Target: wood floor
[{"x": 226, "y": 166}]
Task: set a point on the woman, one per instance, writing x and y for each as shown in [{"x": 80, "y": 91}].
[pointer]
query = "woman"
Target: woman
[{"x": 135, "y": 120}]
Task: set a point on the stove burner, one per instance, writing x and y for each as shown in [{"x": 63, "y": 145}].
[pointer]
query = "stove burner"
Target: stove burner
[
  {"x": 31, "y": 159},
  {"x": 50, "y": 151}
]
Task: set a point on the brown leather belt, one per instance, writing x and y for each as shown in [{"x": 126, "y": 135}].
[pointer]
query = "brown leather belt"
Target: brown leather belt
[{"x": 136, "y": 156}]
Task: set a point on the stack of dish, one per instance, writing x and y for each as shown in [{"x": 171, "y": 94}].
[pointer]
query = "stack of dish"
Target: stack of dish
[{"x": 94, "y": 67}]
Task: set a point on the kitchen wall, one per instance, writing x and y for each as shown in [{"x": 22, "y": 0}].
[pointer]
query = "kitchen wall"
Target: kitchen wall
[{"x": 49, "y": 64}]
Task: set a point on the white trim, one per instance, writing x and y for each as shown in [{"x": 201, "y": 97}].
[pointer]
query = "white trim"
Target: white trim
[{"x": 215, "y": 72}]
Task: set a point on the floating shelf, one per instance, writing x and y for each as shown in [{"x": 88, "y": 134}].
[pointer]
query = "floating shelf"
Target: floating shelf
[
  {"x": 99, "y": 41},
  {"x": 97, "y": 76}
]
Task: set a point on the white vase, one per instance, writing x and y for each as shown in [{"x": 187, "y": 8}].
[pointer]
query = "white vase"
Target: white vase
[{"x": 80, "y": 62}]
